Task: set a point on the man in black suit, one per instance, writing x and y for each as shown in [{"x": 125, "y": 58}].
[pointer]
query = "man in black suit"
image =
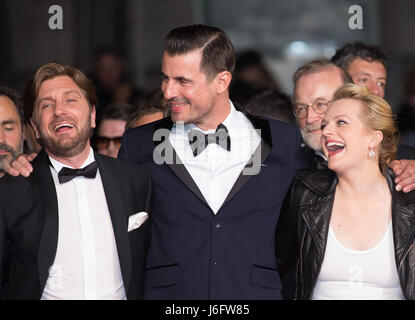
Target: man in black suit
[
  {"x": 76, "y": 228},
  {"x": 219, "y": 178}
]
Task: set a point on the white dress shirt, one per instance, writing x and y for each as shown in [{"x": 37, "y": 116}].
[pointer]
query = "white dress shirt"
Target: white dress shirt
[
  {"x": 86, "y": 264},
  {"x": 215, "y": 170}
]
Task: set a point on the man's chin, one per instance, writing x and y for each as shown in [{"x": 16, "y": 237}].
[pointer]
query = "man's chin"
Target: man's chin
[
  {"x": 65, "y": 147},
  {"x": 3, "y": 160},
  {"x": 178, "y": 118},
  {"x": 313, "y": 143}
]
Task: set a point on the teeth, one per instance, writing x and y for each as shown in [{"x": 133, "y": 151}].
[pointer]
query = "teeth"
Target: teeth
[
  {"x": 338, "y": 144},
  {"x": 63, "y": 125}
]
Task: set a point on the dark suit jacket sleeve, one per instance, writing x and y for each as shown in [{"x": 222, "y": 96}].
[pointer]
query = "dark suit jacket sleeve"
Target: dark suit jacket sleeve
[
  {"x": 406, "y": 152},
  {"x": 149, "y": 207},
  {"x": 3, "y": 251},
  {"x": 122, "y": 153},
  {"x": 302, "y": 158}
]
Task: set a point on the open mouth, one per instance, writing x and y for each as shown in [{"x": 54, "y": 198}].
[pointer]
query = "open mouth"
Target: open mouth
[
  {"x": 62, "y": 127},
  {"x": 334, "y": 147}
]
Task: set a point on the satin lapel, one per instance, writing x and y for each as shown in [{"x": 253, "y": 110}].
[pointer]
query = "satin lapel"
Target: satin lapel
[
  {"x": 118, "y": 217},
  {"x": 43, "y": 180},
  {"x": 168, "y": 155},
  {"x": 253, "y": 167}
]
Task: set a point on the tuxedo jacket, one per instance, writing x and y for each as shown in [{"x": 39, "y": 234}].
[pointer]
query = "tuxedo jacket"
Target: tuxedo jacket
[
  {"x": 29, "y": 225},
  {"x": 195, "y": 254}
]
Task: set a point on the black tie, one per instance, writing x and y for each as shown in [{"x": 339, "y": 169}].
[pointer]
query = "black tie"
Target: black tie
[
  {"x": 199, "y": 141},
  {"x": 67, "y": 174}
]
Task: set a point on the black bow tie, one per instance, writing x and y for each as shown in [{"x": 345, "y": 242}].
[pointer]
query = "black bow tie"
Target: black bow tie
[
  {"x": 67, "y": 174},
  {"x": 198, "y": 140}
]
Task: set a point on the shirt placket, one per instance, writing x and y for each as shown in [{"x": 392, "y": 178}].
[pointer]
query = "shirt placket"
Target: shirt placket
[{"x": 87, "y": 240}]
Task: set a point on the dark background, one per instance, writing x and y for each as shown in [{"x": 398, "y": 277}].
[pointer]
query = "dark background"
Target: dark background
[{"x": 286, "y": 33}]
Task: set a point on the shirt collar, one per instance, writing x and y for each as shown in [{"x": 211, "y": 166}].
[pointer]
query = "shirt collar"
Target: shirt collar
[
  {"x": 321, "y": 154},
  {"x": 57, "y": 165}
]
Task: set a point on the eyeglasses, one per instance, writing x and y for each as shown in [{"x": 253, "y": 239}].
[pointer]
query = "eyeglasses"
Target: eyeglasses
[
  {"x": 301, "y": 110},
  {"x": 104, "y": 142}
]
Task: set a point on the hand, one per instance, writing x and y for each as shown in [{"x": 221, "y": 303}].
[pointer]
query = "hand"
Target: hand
[
  {"x": 21, "y": 165},
  {"x": 405, "y": 171}
]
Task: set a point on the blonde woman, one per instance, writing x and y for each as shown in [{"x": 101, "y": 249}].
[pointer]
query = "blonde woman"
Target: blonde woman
[{"x": 349, "y": 232}]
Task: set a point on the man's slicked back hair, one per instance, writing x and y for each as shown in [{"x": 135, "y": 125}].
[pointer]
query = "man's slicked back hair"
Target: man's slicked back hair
[{"x": 218, "y": 53}]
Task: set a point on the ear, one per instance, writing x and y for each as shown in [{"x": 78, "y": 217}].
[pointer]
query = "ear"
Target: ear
[
  {"x": 33, "y": 123},
  {"x": 93, "y": 116},
  {"x": 223, "y": 80},
  {"x": 376, "y": 139}
]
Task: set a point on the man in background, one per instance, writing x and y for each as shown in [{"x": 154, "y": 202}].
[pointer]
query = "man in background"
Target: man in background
[
  {"x": 366, "y": 64},
  {"x": 11, "y": 126}
]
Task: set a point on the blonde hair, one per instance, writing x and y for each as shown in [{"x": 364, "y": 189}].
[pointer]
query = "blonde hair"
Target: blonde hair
[{"x": 377, "y": 116}]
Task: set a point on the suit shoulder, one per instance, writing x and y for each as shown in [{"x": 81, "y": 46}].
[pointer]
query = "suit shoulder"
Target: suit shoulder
[
  {"x": 122, "y": 166},
  {"x": 281, "y": 125},
  {"x": 15, "y": 187}
]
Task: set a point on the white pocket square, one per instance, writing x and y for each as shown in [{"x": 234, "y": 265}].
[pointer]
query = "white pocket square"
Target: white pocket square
[{"x": 137, "y": 220}]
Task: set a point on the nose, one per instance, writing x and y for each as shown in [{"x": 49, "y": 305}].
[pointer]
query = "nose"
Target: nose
[
  {"x": 113, "y": 149},
  {"x": 59, "y": 108},
  {"x": 374, "y": 88},
  {"x": 312, "y": 116},
  {"x": 169, "y": 89},
  {"x": 327, "y": 131}
]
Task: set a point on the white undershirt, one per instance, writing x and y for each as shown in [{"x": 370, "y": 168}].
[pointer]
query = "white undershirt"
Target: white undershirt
[
  {"x": 359, "y": 274},
  {"x": 215, "y": 170},
  {"x": 86, "y": 265}
]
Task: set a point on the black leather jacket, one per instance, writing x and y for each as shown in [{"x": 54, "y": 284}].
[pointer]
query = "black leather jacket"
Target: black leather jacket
[{"x": 303, "y": 228}]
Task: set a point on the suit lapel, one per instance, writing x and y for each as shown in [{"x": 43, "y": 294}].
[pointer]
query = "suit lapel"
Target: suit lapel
[
  {"x": 175, "y": 164},
  {"x": 118, "y": 218},
  {"x": 42, "y": 178},
  {"x": 257, "y": 158},
  {"x": 169, "y": 156}
]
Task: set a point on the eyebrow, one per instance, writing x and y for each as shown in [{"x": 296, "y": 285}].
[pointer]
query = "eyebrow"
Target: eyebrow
[
  {"x": 179, "y": 78},
  {"x": 8, "y": 121},
  {"x": 340, "y": 116},
  {"x": 316, "y": 99},
  {"x": 363, "y": 73},
  {"x": 65, "y": 93}
]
